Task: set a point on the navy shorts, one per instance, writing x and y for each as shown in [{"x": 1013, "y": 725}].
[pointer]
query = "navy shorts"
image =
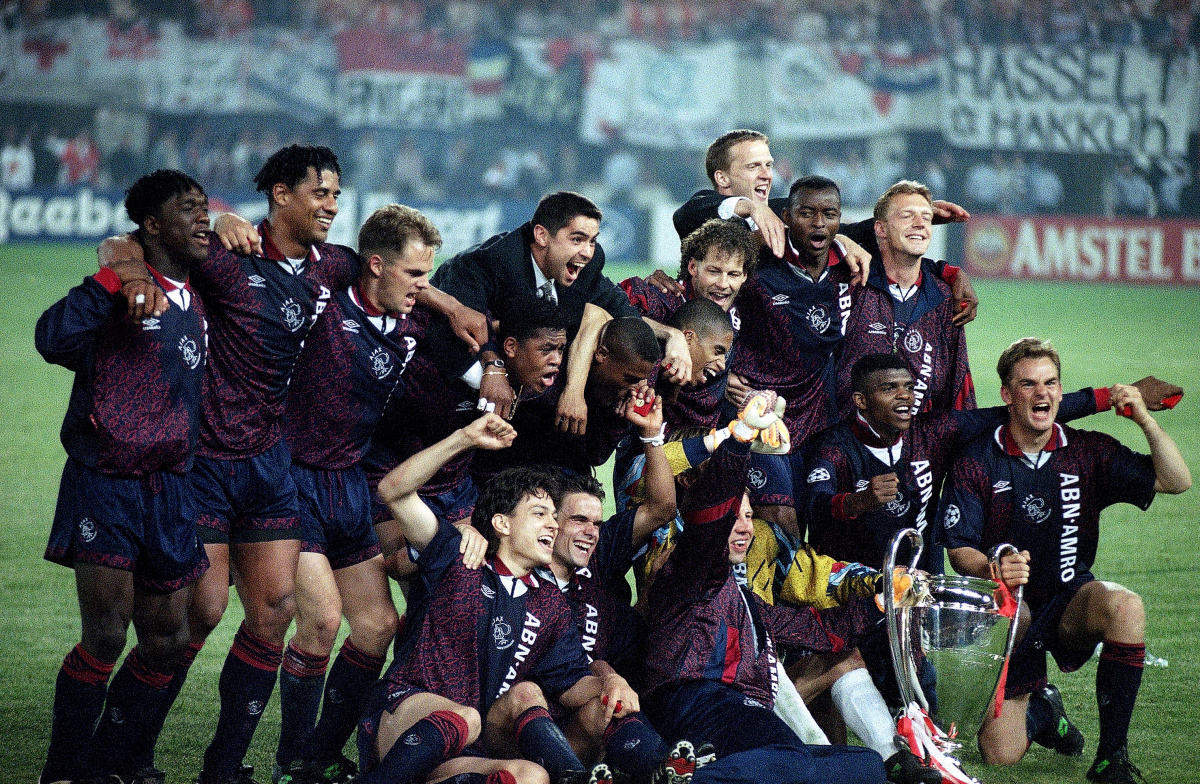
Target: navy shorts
[
  {"x": 250, "y": 499},
  {"x": 384, "y": 697},
  {"x": 142, "y": 525},
  {"x": 457, "y": 503},
  {"x": 769, "y": 480},
  {"x": 1027, "y": 666},
  {"x": 763, "y": 748},
  {"x": 335, "y": 515}
]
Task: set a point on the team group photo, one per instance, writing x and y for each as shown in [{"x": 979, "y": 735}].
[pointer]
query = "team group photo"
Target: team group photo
[{"x": 639, "y": 393}]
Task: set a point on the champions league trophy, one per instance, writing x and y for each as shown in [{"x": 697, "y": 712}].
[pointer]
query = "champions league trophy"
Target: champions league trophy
[{"x": 964, "y": 629}]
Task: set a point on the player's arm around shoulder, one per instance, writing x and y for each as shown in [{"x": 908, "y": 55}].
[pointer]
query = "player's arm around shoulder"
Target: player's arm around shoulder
[{"x": 1171, "y": 474}]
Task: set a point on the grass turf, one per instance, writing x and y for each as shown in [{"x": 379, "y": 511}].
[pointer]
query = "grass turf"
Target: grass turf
[{"x": 1105, "y": 334}]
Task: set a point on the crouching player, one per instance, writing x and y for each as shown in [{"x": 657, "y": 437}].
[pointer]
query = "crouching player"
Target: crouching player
[
  {"x": 591, "y": 559},
  {"x": 711, "y": 663},
  {"x": 485, "y": 648},
  {"x": 125, "y": 519},
  {"x": 1041, "y": 487}
]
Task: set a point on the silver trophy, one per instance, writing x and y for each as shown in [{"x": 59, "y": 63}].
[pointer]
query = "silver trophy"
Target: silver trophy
[{"x": 954, "y": 624}]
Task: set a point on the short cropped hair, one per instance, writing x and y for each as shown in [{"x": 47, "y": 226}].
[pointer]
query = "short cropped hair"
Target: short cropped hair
[
  {"x": 556, "y": 210},
  {"x": 388, "y": 230},
  {"x": 870, "y": 364},
  {"x": 731, "y": 237},
  {"x": 151, "y": 191},
  {"x": 1025, "y": 348},
  {"x": 631, "y": 338},
  {"x": 902, "y": 188},
  {"x": 505, "y": 490},
  {"x": 717, "y": 158},
  {"x": 702, "y": 316},
  {"x": 525, "y": 316},
  {"x": 290, "y": 166},
  {"x": 581, "y": 483},
  {"x": 809, "y": 183}
]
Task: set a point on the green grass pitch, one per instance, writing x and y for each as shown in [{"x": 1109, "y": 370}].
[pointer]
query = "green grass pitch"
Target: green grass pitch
[{"x": 1105, "y": 334}]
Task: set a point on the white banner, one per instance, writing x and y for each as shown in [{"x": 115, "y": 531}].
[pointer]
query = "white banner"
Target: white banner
[
  {"x": 813, "y": 98},
  {"x": 1070, "y": 99},
  {"x": 392, "y": 99},
  {"x": 680, "y": 98}
]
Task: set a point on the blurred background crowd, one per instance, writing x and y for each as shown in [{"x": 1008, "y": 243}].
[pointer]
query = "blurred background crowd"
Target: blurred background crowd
[{"x": 522, "y": 154}]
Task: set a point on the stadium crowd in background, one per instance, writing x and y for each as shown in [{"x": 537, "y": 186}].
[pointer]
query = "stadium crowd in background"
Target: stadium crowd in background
[{"x": 520, "y": 162}]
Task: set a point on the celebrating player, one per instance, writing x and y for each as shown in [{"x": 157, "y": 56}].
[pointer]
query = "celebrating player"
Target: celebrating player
[
  {"x": 555, "y": 255},
  {"x": 1041, "y": 487},
  {"x": 908, "y": 311},
  {"x": 125, "y": 519},
  {"x": 711, "y": 660},
  {"x": 351, "y": 366},
  {"x": 447, "y": 688}
]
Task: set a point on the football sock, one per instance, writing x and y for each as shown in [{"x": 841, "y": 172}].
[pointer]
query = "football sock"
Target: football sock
[
  {"x": 633, "y": 747},
  {"x": 78, "y": 700},
  {"x": 246, "y": 683},
  {"x": 542, "y": 741},
  {"x": 301, "y": 680},
  {"x": 346, "y": 688},
  {"x": 133, "y": 712},
  {"x": 864, "y": 711},
  {"x": 431, "y": 741},
  {"x": 142, "y": 750},
  {"x": 1118, "y": 678}
]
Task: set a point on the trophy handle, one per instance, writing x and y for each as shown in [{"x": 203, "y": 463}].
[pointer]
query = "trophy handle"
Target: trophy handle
[
  {"x": 906, "y": 674},
  {"x": 998, "y": 552}
]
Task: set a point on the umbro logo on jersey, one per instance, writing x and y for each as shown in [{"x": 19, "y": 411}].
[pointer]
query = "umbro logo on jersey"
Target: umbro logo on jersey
[
  {"x": 818, "y": 475},
  {"x": 780, "y": 299},
  {"x": 1001, "y": 486},
  {"x": 488, "y": 592},
  {"x": 151, "y": 323},
  {"x": 875, "y": 328},
  {"x": 862, "y": 484},
  {"x": 350, "y": 325},
  {"x": 258, "y": 281}
]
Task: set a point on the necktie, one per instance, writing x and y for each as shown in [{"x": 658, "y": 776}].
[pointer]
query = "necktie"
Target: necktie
[{"x": 546, "y": 291}]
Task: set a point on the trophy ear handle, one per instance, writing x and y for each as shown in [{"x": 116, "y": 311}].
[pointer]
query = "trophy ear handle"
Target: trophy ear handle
[{"x": 998, "y": 552}]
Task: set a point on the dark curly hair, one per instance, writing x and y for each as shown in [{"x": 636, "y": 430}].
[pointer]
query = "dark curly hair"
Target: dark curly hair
[
  {"x": 146, "y": 196},
  {"x": 291, "y": 164}
]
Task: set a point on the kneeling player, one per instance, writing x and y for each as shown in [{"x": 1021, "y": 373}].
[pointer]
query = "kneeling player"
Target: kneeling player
[{"x": 1041, "y": 487}]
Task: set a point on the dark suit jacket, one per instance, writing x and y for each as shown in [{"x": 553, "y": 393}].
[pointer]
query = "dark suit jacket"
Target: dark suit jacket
[
  {"x": 703, "y": 205},
  {"x": 485, "y": 276}
]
